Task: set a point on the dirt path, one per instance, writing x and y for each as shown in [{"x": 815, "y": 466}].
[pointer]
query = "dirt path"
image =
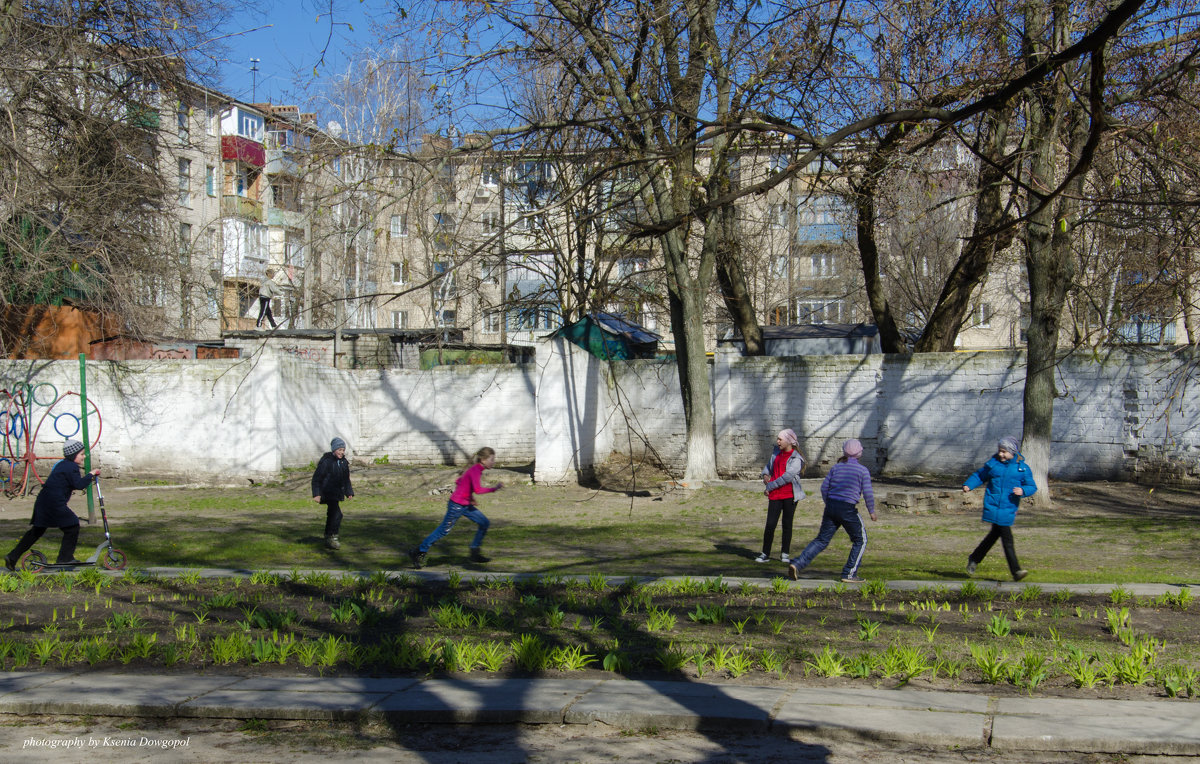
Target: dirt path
[{"x": 216, "y": 742}]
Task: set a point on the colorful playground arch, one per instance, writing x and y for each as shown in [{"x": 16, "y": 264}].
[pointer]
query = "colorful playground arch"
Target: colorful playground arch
[{"x": 24, "y": 410}]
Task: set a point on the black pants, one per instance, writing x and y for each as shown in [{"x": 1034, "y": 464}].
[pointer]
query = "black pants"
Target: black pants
[
  {"x": 775, "y": 508},
  {"x": 1004, "y": 533},
  {"x": 264, "y": 309},
  {"x": 333, "y": 518},
  {"x": 66, "y": 551}
]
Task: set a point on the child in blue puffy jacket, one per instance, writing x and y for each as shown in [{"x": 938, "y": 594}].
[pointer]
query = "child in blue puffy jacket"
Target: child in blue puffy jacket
[{"x": 1007, "y": 478}]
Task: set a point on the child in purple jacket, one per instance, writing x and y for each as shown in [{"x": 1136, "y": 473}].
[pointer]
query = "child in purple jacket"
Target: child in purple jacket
[{"x": 841, "y": 489}]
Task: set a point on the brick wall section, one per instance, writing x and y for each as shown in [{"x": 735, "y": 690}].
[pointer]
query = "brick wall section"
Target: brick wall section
[{"x": 1121, "y": 416}]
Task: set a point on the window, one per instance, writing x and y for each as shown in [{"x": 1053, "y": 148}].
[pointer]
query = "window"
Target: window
[
  {"x": 628, "y": 266},
  {"x": 982, "y": 315},
  {"x": 185, "y": 182},
  {"x": 443, "y": 221},
  {"x": 210, "y": 121},
  {"x": 446, "y": 318},
  {"x": 777, "y": 216},
  {"x": 210, "y": 180},
  {"x": 491, "y": 222},
  {"x": 399, "y": 319},
  {"x": 491, "y": 175},
  {"x": 777, "y": 163},
  {"x": 400, "y": 273},
  {"x": 492, "y": 319},
  {"x": 185, "y": 244},
  {"x": 185, "y": 130},
  {"x": 250, "y": 126},
  {"x": 821, "y": 311},
  {"x": 445, "y": 286},
  {"x": 293, "y": 250},
  {"x": 399, "y": 225},
  {"x": 823, "y": 264},
  {"x": 489, "y": 273}
]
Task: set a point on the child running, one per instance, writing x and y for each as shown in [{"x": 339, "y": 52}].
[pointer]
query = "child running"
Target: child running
[
  {"x": 1008, "y": 478},
  {"x": 841, "y": 489},
  {"x": 461, "y": 504}
]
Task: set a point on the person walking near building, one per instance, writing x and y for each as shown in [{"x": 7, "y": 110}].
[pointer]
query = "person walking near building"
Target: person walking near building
[
  {"x": 846, "y": 482},
  {"x": 1007, "y": 479},
  {"x": 781, "y": 484},
  {"x": 267, "y": 291}
]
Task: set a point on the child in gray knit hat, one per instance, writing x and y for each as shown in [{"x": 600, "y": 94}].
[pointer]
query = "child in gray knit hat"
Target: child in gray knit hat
[
  {"x": 331, "y": 486},
  {"x": 1008, "y": 479}
]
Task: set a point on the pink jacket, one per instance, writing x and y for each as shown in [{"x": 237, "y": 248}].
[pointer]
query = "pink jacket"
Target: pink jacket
[{"x": 469, "y": 484}]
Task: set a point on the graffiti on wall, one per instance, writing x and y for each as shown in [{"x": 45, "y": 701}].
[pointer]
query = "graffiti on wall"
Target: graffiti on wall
[
  {"x": 309, "y": 354},
  {"x": 32, "y": 411}
]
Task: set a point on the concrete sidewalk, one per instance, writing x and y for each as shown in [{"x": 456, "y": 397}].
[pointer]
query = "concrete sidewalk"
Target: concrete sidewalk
[{"x": 940, "y": 719}]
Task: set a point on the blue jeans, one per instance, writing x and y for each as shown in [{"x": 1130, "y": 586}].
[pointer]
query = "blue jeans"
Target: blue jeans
[
  {"x": 453, "y": 512},
  {"x": 838, "y": 514}
]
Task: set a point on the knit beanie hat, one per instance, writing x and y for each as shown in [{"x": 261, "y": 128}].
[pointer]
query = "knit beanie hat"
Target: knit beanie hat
[
  {"x": 789, "y": 436},
  {"x": 336, "y": 443},
  {"x": 1010, "y": 444},
  {"x": 852, "y": 448},
  {"x": 71, "y": 447}
]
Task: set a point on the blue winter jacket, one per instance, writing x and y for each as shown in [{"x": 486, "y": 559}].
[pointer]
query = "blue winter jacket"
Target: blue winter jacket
[{"x": 999, "y": 503}]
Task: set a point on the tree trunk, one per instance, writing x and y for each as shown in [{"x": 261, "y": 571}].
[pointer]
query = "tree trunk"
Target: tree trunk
[
  {"x": 721, "y": 236},
  {"x": 865, "y": 191},
  {"x": 986, "y": 240}
]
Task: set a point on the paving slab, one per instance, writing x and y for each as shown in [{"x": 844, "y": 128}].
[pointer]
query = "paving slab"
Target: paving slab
[
  {"x": 486, "y": 701},
  {"x": 676, "y": 705},
  {"x": 107, "y": 694},
  {"x": 18, "y": 681},
  {"x": 1097, "y": 726},
  {"x": 281, "y": 704},
  {"x": 916, "y": 700},
  {"x": 324, "y": 684}
]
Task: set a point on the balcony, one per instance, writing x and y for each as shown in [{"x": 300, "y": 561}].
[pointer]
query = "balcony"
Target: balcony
[
  {"x": 242, "y": 207},
  {"x": 239, "y": 149},
  {"x": 281, "y": 162},
  {"x": 285, "y": 218}
]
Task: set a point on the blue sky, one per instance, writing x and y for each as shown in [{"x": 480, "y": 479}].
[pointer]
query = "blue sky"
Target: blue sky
[{"x": 289, "y": 43}]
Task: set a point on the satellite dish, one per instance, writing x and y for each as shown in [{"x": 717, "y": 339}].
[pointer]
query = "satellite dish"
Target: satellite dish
[{"x": 334, "y": 128}]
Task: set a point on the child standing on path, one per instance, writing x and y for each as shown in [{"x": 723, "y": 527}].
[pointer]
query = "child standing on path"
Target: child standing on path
[
  {"x": 1008, "y": 478},
  {"x": 841, "y": 489},
  {"x": 781, "y": 479},
  {"x": 331, "y": 486},
  {"x": 462, "y": 504},
  {"x": 50, "y": 509}
]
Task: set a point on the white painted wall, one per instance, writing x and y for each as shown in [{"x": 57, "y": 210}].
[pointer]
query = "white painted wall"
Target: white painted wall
[{"x": 1121, "y": 416}]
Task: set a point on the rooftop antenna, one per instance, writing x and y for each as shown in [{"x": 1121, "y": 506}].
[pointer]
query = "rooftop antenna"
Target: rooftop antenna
[{"x": 254, "y": 79}]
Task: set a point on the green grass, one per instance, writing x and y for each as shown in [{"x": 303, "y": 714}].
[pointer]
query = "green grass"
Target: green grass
[{"x": 571, "y": 530}]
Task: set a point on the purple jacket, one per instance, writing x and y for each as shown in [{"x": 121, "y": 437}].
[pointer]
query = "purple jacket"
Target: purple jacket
[{"x": 846, "y": 482}]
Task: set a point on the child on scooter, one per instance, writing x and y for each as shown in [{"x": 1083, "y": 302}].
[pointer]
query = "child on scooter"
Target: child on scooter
[{"x": 50, "y": 508}]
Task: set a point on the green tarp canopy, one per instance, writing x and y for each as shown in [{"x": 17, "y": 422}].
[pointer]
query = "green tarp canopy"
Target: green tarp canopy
[{"x": 610, "y": 337}]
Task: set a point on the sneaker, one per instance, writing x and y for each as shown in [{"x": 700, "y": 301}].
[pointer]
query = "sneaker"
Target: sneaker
[
  {"x": 784, "y": 557},
  {"x": 478, "y": 556},
  {"x": 853, "y": 580},
  {"x": 331, "y": 542},
  {"x": 971, "y": 566},
  {"x": 10, "y": 563},
  {"x": 1020, "y": 574},
  {"x": 762, "y": 557},
  {"x": 417, "y": 557},
  {"x": 793, "y": 573}
]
